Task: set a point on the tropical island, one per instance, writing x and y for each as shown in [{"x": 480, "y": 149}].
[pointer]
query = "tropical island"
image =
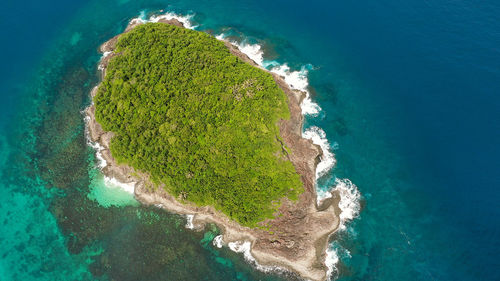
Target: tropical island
[{"x": 199, "y": 129}]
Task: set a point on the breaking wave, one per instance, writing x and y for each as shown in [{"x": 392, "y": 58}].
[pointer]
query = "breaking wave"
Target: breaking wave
[
  {"x": 101, "y": 162},
  {"x": 318, "y": 136},
  {"x": 297, "y": 80},
  {"x": 331, "y": 261},
  {"x": 349, "y": 194},
  {"x": 244, "y": 247},
  {"x": 128, "y": 187},
  {"x": 217, "y": 242},
  {"x": 189, "y": 221},
  {"x": 253, "y": 51},
  {"x": 185, "y": 20},
  {"x": 349, "y": 201}
]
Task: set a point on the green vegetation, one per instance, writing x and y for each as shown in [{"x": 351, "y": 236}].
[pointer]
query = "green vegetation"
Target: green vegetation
[{"x": 199, "y": 120}]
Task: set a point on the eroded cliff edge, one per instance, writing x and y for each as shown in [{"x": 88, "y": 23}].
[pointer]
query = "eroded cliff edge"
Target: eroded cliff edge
[{"x": 298, "y": 235}]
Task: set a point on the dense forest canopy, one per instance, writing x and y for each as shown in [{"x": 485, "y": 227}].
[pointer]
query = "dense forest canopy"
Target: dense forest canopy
[{"x": 200, "y": 121}]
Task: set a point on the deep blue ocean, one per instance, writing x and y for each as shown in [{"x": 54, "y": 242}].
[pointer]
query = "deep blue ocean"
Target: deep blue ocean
[{"x": 410, "y": 98}]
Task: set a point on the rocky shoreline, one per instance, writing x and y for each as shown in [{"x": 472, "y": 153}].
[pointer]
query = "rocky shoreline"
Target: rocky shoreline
[{"x": 297, "y": 237}]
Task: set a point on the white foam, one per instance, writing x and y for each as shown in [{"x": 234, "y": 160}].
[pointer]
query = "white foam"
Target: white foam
[
  {"x": 253, "y": 51},
  {"x": 137, "y": 21},
  {"x": 189, "y": 222},
  {"x": 241, "y": 247},
  {"x": 101, "y": 162},
  {"x": 298, "y": 80},
  {"x": 104, "y": 55},
  {"x": 331, "y": 261},
  {"x": 322, "y": 195},
  {"x": 309, "y": 107},
  {"x": 244, "y": 247},
  {"x": 349, "y": 201},
  {"x": 217, "y": 242},
  {"x": 128, "y": 187},
  {"x": 185, "y": 20},
  {"x": 295, "y": 79},
  {"x": 318, "y": 136}
]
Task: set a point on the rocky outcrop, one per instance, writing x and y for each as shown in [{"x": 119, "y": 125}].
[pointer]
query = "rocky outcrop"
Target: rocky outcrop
[{"x": 296, "y": 239}]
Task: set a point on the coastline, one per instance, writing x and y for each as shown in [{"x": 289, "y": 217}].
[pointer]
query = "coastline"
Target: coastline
[{"x": 300, "y": 234}]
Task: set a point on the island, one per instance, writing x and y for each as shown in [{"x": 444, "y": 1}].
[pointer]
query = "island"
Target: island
[{"x": 199, "y": 129}]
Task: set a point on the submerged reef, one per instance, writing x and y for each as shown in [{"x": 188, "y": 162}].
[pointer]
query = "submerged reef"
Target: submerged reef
[{"x": 197, "y": 128}]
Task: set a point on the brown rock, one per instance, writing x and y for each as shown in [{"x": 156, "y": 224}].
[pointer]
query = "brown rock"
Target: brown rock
[{"x": 299, "y": 233}]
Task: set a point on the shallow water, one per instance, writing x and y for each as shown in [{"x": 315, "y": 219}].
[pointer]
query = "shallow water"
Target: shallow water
[{"x": 409, "y": 105}]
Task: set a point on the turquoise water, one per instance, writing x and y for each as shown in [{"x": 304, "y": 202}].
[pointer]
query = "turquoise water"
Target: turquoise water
[{"x": 409, "y": 98}]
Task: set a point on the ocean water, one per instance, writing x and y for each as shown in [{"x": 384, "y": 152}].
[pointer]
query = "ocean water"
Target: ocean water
[{"x": 404, "y": 97}]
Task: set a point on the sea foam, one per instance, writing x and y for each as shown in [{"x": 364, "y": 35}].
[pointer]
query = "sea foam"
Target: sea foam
[
  {"x": 128, "y": 187},
  {"x": 184, "y": 19},
  {"x": 318, "y": 136},
  {"x": 104, "y": 55},
  {"x": 349, "y": 200},
  {"x": 101, "y": 162},
  {"x": 298, "y": 80},
  {"x": 244, "y": 247},
  {"x": 349, "y": 194},
  {"x": 189, "y": 221},
  {"x": 333, "y": 255},
  {"x": 349, "y": 209},
  {"x": 218, "y": 242},
  {"x": 331, "y": 261},
  {"x": 253, "y": 51}
]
